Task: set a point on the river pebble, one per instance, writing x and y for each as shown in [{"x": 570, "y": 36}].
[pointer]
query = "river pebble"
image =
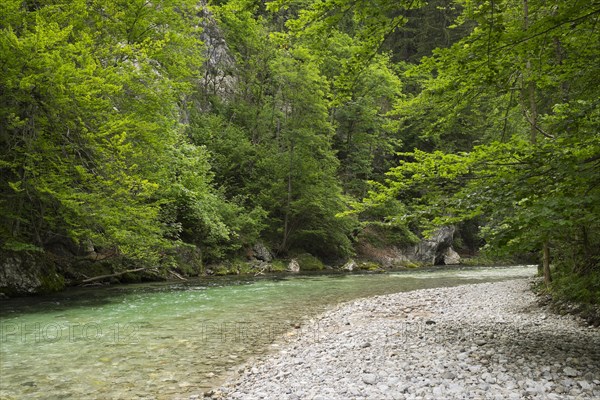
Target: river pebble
[{"x": 481, "y": 341}]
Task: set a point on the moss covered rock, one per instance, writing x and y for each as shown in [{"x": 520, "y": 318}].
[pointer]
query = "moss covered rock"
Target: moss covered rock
[
  {"x": 278, "y": 266},
  {"x": 308, "y": 262},
  {"x": 26, "y": 273}
]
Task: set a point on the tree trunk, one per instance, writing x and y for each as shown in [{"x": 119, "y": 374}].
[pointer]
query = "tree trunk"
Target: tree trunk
[
  {"x": 288, "y": 204},
  {"x": 533, "y": 112},
  {"x": 102, "y": 277},
  {"x": 529, "y": 87},
  {"x": 529, "y": 96},
  {"x": 546, "y": 264}
]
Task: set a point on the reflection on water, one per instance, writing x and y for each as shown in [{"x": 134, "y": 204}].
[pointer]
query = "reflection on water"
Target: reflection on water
[{"x": 164, "y": 340}]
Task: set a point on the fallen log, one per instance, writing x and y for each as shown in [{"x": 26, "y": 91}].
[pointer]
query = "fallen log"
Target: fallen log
[
  {"x": 176, "y": 275},
  {"x": 101, "y": 277},
  {"x": 262, "y": 270}
]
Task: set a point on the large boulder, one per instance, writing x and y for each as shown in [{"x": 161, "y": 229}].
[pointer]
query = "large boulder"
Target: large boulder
[
  {"x": 432, "y": 251},
  {"x": 350, "y": 265},
  {"x": 262, "y": 252},
  {"x": 27, "y": 273},
  {"x": 435, "y": 250},
  {"x": 308, "y": 262},
  {"x": 450, "y": 257},
  {"x": 293, "y": 266},
  {"x": 188, "y": 259}
]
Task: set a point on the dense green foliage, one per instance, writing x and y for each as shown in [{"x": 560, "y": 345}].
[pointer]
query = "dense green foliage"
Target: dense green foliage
[
  {"x": 93, "y": 145},
  {"x": 135, "y": 126},
  {"x": 511, "y": 112}
]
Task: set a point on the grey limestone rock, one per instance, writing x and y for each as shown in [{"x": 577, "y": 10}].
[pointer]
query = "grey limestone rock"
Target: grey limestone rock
[{"x": 293, "y": 266}]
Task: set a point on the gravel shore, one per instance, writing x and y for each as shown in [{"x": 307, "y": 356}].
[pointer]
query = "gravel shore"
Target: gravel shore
[{"x": 482, "y": 341}]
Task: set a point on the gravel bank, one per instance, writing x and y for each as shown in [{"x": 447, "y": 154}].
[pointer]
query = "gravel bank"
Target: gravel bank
[{"x": 483, "y": 341}]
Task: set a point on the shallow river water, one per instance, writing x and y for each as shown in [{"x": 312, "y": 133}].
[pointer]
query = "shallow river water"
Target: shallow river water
[{"x": 173, "y": 340}]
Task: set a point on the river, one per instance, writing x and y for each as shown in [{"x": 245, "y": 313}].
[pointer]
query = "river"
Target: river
[{"x": 174, "y": 340}]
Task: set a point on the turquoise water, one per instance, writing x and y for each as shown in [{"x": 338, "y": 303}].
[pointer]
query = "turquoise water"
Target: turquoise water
[{"x": 173, "y": 340}]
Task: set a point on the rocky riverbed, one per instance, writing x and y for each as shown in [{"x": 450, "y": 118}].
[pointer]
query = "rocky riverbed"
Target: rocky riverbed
[{"x": 482, "y": 341}]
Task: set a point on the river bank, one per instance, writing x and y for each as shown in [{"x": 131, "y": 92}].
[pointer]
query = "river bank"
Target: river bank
[{"x": 481, "y": 341}]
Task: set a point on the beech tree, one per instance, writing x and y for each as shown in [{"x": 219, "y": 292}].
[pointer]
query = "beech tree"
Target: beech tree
[
  {"x": 272, "y": 137},
  {"x": 523, "y": 79},
  {"x": 90, "y": 123}
]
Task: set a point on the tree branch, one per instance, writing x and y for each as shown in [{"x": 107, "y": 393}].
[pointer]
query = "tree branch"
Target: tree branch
[
  {"x": 101, "y": 277},
  {"x": 597, "y": 11}
]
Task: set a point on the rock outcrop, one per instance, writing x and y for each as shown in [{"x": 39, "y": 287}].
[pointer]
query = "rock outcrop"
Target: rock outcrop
[
  {"x": 431, "y": 251},
  {"x": 349, "y": 266},
  {"x": 27, "y": 273},
  {"x": 219, "y": 66},
  {"x": 293, "y": 266},
  {"x": 450, "y": 257},
  {"x": 261, "y": 252},
  {"x": 435, "y": 250}
]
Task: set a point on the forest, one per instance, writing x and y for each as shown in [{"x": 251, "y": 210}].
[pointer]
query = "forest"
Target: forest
[{"x": 133, "y": 128}]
